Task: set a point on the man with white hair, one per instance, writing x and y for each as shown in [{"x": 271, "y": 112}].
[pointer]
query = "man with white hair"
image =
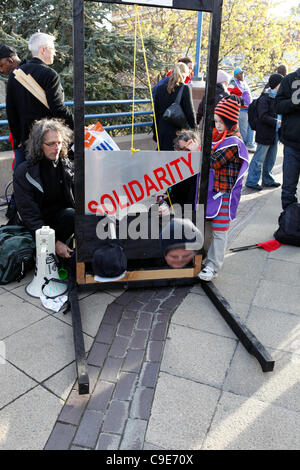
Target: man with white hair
[{"x": 22, "y": 107}]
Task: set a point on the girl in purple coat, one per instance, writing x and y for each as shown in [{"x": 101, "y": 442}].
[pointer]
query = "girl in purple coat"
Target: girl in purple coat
[{"x": 229, "y": 163}]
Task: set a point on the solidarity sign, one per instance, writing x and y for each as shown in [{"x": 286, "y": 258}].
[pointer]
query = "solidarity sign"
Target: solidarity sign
[{"x": 116, "y": 180}]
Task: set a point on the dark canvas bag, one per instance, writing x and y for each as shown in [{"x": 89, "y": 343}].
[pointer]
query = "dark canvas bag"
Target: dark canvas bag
[
  {"x": 289, "y": 225},
  {"x": 174, "y": 113},
  {"x": 17, "y": 249},
  {"x": 253, "y": 114}
]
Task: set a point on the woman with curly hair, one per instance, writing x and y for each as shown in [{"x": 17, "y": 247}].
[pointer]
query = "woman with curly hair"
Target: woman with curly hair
[{"x": 43, "y": 184}]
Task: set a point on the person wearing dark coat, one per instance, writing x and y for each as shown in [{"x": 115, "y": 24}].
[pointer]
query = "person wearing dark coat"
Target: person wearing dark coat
[
  {"x": 287, "y": 103},
  {"x": 266, "y": 138},
  {"x": 221, "y": 92},
  {"x": 9, "y": 59},
  {"x": 43, "y": 184},
  {"x": 165, "y": 95},
  {"x": 22, "y": 107}
]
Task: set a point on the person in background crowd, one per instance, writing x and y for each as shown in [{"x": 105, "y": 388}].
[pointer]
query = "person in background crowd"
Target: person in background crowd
[
  {"x": 9, "y": 59},
  {"x": 282, "y": 69},
  {"x": 287, "y": 103},
  {"x": 189, "y": 62},
  {"x": 185, "y": 192},
  {"x": 164, "y": 97},
  {"x": 221, "y": 92},
  {"x": 229, "y": 163},
  {"x": 43, "y": 184},
  {"x": 22, "y": 107},
  {"x": 239, "y": 87},
  {"x": 185, "y": 60},
  {"x": 266, "y": 138}
]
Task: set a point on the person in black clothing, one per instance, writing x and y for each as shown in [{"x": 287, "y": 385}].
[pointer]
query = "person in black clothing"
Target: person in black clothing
[
  {"x": 9, "y": 59},
  {"x": 287, "y": 103},
  {"x": 282, "y": 69},
  {"x": 185, "y": 192},
  {"x": 22, "y": 107},
  {"x": 43, "y": 184},
  {"x": 266, "y": 138},
  {"x": 165, "y": 95},
  {"x": 221, "y": 92}
]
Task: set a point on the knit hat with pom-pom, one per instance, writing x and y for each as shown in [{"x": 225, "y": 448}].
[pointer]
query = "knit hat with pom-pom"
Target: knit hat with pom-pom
[{"x": 229, "y": 109}]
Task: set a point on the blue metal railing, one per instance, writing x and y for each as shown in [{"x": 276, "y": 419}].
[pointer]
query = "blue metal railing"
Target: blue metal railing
[{"x": 4, "y": 122}]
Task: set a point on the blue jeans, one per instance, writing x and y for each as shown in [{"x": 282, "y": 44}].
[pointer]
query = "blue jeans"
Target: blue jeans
[
  {"x": 246, "y": 132},
  {"x": 290, "y": 174},
  {"x": 243, "y": 124},
  {"x": 19, "y": 156},
  {"x": 262, "y": 164}
]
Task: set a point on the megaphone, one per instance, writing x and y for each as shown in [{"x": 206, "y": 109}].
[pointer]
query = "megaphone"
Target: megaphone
[{"x": 46, "y": 266}]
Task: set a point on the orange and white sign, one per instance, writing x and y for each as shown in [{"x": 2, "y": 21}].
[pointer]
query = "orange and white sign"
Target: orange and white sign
[{"x": 96, "y": 138}]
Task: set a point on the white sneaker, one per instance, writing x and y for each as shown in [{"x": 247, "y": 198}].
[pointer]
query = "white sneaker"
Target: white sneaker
[{"x": 207, "y": 274}]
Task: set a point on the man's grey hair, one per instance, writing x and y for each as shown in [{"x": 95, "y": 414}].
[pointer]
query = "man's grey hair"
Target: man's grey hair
[
  {"x": 186, "y": 135},
  {"x": 40, "y": 39},
  {"x": 34, "y": 145}
]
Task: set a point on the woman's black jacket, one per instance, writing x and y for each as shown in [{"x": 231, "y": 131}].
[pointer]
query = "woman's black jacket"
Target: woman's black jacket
[
  {"x": 267, "y": 119},
  {"x": 163, "y": 99}
]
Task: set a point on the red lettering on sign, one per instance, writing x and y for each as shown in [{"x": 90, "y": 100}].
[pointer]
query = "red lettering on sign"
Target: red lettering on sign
[
  {"x": 161, "y": 178},
  {"x": 189, "y": 162},
  {"x": 110, "y": 210},
  {"x": 118, "y": 201},
  {"x": 135, "y": 182},
  {"x": 91, "y": 208},
  {"x": 95, "y": 210},
  {"x": 175, "y": 163},
  {"x": 149, "y": 184},
  {"x": 170, "y": 173},
  {"x": 128, "y": 194}
]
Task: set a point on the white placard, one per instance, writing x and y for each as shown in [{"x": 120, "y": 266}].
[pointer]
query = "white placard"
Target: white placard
[
  {"x": 159, "y": 3},
  {"x": 114, "y": 181}
]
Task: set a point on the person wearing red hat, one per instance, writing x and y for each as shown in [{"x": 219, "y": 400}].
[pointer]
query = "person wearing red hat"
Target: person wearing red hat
[{"x": 229, "y": 163}]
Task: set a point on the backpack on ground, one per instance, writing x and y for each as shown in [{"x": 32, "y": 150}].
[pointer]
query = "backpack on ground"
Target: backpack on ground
[
  {"x": 17, "y": 250},
  {"x": 253, "y": 114},
  {"x": 289, "y": 225}
]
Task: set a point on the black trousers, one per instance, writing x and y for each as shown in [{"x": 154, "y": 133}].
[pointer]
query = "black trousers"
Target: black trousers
[{"x": 63, "y": 223}]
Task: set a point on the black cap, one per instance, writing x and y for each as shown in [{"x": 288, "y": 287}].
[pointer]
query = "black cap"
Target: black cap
[
  {"x": 180, "y": 233},
  {"x": 275, "y": 79},
  {"x": 109, "y": 262},
  {"x": 6, "y": 51}
]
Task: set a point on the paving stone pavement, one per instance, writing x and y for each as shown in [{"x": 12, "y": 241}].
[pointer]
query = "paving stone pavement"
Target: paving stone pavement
[
  {"x": 126, "y": 356},
  {"x": 166, "y": 372}
]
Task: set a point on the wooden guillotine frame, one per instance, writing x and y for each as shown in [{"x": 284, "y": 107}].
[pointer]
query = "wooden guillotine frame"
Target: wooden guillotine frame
[{"x": 85, "y": 223}]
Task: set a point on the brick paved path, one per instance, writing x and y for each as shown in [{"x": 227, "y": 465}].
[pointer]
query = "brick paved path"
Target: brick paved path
[{"x": 124, "y": 362}]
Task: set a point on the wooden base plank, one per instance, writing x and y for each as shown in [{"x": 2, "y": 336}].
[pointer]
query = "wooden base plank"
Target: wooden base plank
[{"x": 144, "y": 275}]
